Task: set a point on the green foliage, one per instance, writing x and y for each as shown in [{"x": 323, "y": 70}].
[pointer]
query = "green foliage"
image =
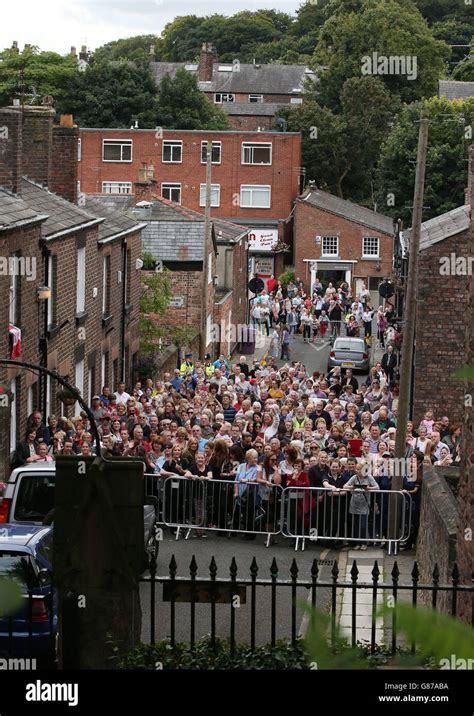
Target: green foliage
[
  {"x": 154, "y": 301},
  {"x": 135, "y": 49},
  {"x": 32, "y": 74},
  {"x": 181, "y": 105},
  {"x": 464, "y": 71},
  {"x": 340, "y": 150},
  {"x": 205, "y": 658},
  {"x": 454, "y": 32},
  {"x": 465, "y": 373},
  {"x": 286, "y": 277},
  {"x": 149, "y": 262},
  {"x": 113, "y": 94},
  {"x": 324, "y": 656},
  {"x": 437, "y": 635},
  {"x": 10, "y": 596},
  {"x": 446, "y": 168},
  {"x": 388, "y": 27}
]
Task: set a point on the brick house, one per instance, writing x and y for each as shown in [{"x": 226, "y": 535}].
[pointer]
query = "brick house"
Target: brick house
[
  {"x": 443, "y": 317},
  {"x": 251, "y": 94},
  {"x": 174, "y": 235},
  {"x": 88, "y": 327},
  {"x": 255, "y": 176},
  {"x": 337, "y": 241}
]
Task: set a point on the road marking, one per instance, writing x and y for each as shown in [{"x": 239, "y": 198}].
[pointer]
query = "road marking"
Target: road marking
[
  {"x": 319, "y": 348},
  {"x": 305, "y": 620}
]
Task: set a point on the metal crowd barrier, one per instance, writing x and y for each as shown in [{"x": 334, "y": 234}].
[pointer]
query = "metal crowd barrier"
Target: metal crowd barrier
[
  {"x": 221, "y": 506},
  {"x": 347, "y": 516},
  {"x": 300, "y": 513}
]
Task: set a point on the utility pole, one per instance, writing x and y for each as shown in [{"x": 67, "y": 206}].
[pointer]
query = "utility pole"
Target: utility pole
[
  {"x": 206, "y": 244},
  {"x": 406, "y": 366}
]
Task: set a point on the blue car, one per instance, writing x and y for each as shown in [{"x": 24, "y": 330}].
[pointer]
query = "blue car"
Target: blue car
[{"x": 26, "y": 557}]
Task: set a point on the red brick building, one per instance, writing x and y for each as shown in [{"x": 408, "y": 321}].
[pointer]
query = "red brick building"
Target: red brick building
[
  {"x": 86, "y": 257},
  {"x": 337, "y": 241},
  {"x": 255, "y": 175}
]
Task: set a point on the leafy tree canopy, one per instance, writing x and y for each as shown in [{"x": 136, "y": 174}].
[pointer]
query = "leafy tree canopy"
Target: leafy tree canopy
[
  {"x": 389, "y": 28},
  {"x": 31, "y": 74},
  {"x": 140, "y": 49},
  {"x": 181, "y": 105},
  {"x": 450, "y": 133}
]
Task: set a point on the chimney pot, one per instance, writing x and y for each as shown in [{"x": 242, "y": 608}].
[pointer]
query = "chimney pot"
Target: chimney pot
[{"x": 66, "y": 120}]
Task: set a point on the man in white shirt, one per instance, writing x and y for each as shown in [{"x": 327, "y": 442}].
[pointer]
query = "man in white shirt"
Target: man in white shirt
[{"x": 121, "y": 396}]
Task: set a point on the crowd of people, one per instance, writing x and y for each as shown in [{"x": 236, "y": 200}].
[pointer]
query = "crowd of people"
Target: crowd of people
[
  {"x": 261, "y": 423},
  {"x": 325, "y": 314}
]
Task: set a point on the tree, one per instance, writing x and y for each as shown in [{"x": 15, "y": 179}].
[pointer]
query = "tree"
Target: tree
[
  {"x": 136, "y": 49},
  {"x": 181, "y": 105},
  {"x": 454, "y": 32},
  {"x": 450, "y": 134},
  {"x": 340, "y": 150},
  {"x": 113, "y": 94},
  {"x": 31, "y": 74},
  {"x": 154, "y": 301},
  {"x": 391, "y": 28}
]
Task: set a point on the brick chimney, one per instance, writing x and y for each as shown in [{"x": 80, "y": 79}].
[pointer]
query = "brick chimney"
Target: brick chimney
[
  {"x": 37, "y": 143},
  {"x": 10, "y": 149},
  {"x": 84, "y": 55},
  {"x": 64, "y": 167},
  {"x": 206, "y": 60}
]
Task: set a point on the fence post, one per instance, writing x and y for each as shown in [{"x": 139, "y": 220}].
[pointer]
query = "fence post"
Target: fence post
[
  {"x": 274, "y": 574},
  {"x": 395, "y": 576},
  {"x": 193, "y": 572},
  {"x": 173, "y": 568},
  {"x": 233, "y": 577},
  {"x": 253, "y": 597},
  {"x": 435, "y": 585},
  {"x": 213, "y": 573},
  {"x": 375, "y": 579},
  {"x": 354, "y": 578},
  {"x": 335, "y": 574},
  {"x": 415, "y": 575},
  {"x": 455, "y": 579},
  {"x": 294, "y": 578}
]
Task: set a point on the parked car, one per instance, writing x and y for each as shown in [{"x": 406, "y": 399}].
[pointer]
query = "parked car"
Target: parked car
[
  {"x": 349, "y": 353},
  {"x": 26, "y": 557},
  {"x": 29, "y": 498}
]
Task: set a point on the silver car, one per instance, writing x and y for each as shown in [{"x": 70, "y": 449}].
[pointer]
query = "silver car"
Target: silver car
[{"x": 349, "y": 353}]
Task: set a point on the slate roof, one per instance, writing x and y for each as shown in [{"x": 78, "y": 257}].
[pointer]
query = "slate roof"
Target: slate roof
[
  {"x": 348, "y": 210},
  {"x": 252, "y": 79},
  {"x": 452, "y": 89},
  {"x": 442, "y": 227},
  {"x": 62, "y": 214},
  {"x": 254, "y": 109},
  {"x": 168, "y": 240},
  {"x": 15, "y": 212},
  {"x": 116, "y": 221}
]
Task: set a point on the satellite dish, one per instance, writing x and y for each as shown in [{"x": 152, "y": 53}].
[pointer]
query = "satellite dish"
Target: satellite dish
[{"x": 256, "y": 285}]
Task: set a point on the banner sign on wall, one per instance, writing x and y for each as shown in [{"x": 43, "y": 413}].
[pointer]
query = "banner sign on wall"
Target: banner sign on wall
[{"x": 262, "y": 239}]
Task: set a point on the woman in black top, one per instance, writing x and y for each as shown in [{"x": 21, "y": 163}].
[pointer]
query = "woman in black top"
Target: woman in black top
[{"x": 220, "y": 491}]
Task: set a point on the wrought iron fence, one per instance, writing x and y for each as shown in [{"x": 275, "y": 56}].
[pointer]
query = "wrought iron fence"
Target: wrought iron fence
[{"x": 227, "y": 591}]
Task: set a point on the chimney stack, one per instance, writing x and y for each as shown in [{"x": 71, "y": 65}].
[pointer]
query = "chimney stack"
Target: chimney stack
[
  {"x": 15, "y": 45},
  {"x": 64, "y": 166},
  {"x": 37, "y": 143},
  {"x": 73, "y": 51},
  {"x": 10, "y": 149},
  {"x": 84, "y": 55},
  {"x": 207, "y": 59}
]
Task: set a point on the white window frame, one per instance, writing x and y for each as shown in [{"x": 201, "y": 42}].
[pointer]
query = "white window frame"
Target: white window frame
[
  {"x": 215, "y": 200},
  {"x": 114, "y": 142},
  {"x": 173, "y": 143},
  {"x": 330, "y": 238},
  {"x": 13, "y": 434},
  {"x": 29, "y": 400},
  {"x": 256, "y": 101},
  {"x": 81, "y": 280},
  {"x": 251, "y": 188},
  {"x": 51, "y": 286},
  {"x": 79, "y": 383},
  {"x": 173, "y": 185},
  {"x": 224, "y": 94},
  {"x": 119, "y": 185},
  {"x": 370, "y": 239},
  {"x": 256, "y": 145},
  {"x": 296, "y": 100},
  {"x": 209, "y": 268},
  {"x": 13, "y": 297},
  {"x": 105, "y": 258},
  {"x": 214, "y": 146},
  {"x": 79, "y": 149}
]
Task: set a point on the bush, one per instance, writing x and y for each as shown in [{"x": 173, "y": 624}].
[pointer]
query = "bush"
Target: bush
[
  {"x": 286, "y": 277},
  {"x": 206, "y": 658}
]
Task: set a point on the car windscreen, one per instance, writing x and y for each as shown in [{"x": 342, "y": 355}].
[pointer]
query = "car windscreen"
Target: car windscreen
[
  {"x": 18, "y": 567},
  {"x": 35, "y": 497},
  {"x": 346, "y": 346}
]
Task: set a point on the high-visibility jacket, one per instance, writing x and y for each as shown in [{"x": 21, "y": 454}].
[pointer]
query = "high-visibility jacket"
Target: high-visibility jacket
[
  {"x": 209, "y": 369},
  {"x": 185, "y": 366}
]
